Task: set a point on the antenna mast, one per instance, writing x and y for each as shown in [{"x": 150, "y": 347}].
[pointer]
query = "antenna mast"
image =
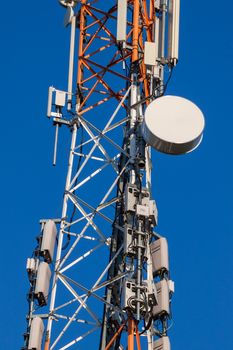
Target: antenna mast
[{"x": 105, "y": 282}]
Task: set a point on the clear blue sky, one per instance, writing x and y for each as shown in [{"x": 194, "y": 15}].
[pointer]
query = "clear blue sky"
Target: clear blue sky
[{"x": 194, "y": 193}]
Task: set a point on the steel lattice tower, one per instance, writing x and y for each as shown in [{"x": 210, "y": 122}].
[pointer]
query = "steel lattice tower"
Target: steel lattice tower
[{"x": 103, "y": 287}]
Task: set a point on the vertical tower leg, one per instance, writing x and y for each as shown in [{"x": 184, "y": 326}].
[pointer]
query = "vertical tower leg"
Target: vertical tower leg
[{"x": 131, "y": 326}]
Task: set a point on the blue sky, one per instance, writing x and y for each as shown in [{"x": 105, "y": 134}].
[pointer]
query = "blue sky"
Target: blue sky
[{"x": 194, "y": 193}]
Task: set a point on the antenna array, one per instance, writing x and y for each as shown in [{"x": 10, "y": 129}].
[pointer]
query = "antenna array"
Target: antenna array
[{"x": 108, "y": 282}]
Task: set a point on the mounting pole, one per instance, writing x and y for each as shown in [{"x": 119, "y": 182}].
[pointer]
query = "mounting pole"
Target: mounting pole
[
  {"x": 55, "y": 144},
  {"x": 71, "y": 62}
]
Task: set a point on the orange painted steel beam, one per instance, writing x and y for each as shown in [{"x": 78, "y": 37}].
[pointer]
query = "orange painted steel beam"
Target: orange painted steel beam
[
  {"x": 99, "y": 37},
  {"x": 107, "y": 69},
  {"x": 104, "y": 70},
  {"x": 102, "y": 48},
  {"x": 152, "y": 10},
  {"x": 131, "y": 327},
  {"x": 81, "y": 42},
  {"x": 135, "y": 31},
  {"x": 143, "y": 73},
  {"x": 132, "y": 331},
  {"x": 93, "y": 37},
  {"x": 109, "y": 65},
  {"x": 138, "y": 338},
  {"x": 84, "y": 63},
  {"x": 100, "y": 21},
  {"x": 89, "y": 94},
  {"x": 115, "y": 336},
  {"x": 101, "y": 102},
  {"x": 107, "y": 87},
  {"x": 94, "y": 25},
  {"x": 46, "y": 345},
  {"x": 99, "y": 77},
  {"x": 147, "y": 21},
  {"x": 109, "y": 13},
  {"x": 98, "y": 91}
]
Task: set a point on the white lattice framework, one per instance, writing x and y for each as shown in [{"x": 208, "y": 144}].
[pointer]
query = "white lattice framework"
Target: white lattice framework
[{"x": 103, "y": 130}]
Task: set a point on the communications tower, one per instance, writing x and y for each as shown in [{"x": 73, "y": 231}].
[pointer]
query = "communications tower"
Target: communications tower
[{"x": 99, "y": 275}]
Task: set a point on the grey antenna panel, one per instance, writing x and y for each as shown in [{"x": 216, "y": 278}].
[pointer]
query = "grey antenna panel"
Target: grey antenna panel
[{"x": 36, "y": 334}]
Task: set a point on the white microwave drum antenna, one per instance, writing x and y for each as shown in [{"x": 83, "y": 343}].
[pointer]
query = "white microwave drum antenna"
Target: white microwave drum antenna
[{"x": 173, "y": 125}]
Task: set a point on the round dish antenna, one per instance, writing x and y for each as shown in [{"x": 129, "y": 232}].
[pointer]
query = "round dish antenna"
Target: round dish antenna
[
  {"x": 68, "y": 3},
  {"x": 173, "y": 125}
]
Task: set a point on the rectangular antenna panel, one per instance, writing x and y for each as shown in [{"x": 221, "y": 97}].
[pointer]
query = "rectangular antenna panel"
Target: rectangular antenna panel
[
  {"x": 48, "y": 240},
  {"x": 130, "y": 197},
  {"x": 36, "y": 334},
  {"x": 50, "y": 101},
  {"x": 157, "y": 68},
  {"x": 150, "y": 54},
  {"x": 153, "y": 212},
  {"x": 173, "y": 30},
  {"x": 162, "y": 344},
  {"x": 60, "y": 98},
  {"x": 159, "y": 252},
  {"x": 163, "y": 299},
  {"x": 121, "y": 20},
  {"x": 42, "y": 283}
]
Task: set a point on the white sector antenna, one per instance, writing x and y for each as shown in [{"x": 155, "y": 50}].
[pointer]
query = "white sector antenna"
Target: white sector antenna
[
  {"x": 173, "y": 30},
  {"x": 173, "y": 125}
]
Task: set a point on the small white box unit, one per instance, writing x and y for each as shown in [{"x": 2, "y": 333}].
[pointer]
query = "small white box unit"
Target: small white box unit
[
  {"x": 42, "y": 283},
  {"x": 145, "y": 197},
  {"x": 142, "y": 210},
  {"x": 150, "y": 54},
  {"x": 60, "y": 98},
  {"x": 131, "y": 195},
  {"x": 159, "y": 253},
  {"x": 129, "y": 295},
  {"x": 31, "y": 265},
  {"x": 162, "y": 344},
  {"x": 36, "y": 334},
  {"x": 128, "y": 241},
  {"x": 163, "y": 299},
  {"x": 153, "y": 212},
  {"x": 48, "y": 240}
]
